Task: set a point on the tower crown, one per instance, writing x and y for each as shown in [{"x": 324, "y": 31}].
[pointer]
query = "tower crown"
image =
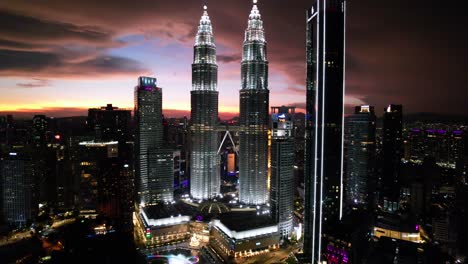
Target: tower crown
[
  {"x": 255, "y": 25},
  {"x": 205, "y": 30}
]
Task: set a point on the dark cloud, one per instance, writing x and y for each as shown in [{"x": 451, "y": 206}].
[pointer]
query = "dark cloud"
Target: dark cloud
[
  {"x": 23, "y": 29},
  {"x": 229, "y": 58},
  {"x": 408, "y": 52},
  {"x": 53, "y": 49},
  {"x": 47, "y": 64}
]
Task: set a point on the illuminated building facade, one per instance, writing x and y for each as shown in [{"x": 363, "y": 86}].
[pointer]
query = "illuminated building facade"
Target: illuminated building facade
[
  {"x": 162, "y": 224},
  {"x": 205, "y": 180},
  {"x": 148, "y": 136},
  {"x": 16, "y": 181},
  {"x": 253, "y": 115},
  {"x": 325, "y": 42},
  {"x": 242, "y": 235},
  {"x": 161, "y": 175},
  {"x": 282, "y": 168},
  {"x": 392, "y": 151},
  {"x": 394, "y": 227},
  {"x": 360, "y": 156}
]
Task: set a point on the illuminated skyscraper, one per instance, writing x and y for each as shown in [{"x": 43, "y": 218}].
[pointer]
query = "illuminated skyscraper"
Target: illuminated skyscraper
[
  {"x": 16, "y": 181},
  {"x": 325, "y": 42},
  {"x": 205, "y": 179},
  {"x": 149, "y": 133},
  {"x": 360, "y": 157},
  {"x": 282, "y": 168},
  {"x": 253, "y": 120}
]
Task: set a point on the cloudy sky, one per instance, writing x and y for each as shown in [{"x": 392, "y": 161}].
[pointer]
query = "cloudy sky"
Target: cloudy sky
[{"x": 61, "y": 57}]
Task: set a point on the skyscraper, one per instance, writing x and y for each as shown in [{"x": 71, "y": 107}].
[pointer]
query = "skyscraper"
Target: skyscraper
[
  {"x": 282, "y": 168},
  {"x": 148, "y": 132},
  {"x": 39, "y": 130},
  {"x": 360, "y": 157},
  {"x": 205, "y": 179},
  {"x": 110, "y": 123},
  {"x": 16, "y": 182},
  {"x": 392, "y": 150},
  {"x": 253, "y": 120},
  {"x": 325, "y": 42}
]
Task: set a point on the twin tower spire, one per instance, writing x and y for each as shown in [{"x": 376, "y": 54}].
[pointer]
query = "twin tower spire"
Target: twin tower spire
[{"x": 253, "y": 120}]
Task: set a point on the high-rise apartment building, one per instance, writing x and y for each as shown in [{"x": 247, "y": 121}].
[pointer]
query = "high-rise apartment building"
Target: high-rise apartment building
[
  {"x": 325, "y": 41},
  {"x": 205, "y": 180},
  {"x": 253, "y": 119}
]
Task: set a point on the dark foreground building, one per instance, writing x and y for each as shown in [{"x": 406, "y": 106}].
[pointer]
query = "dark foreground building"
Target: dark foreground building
[
  {"x": 392, "y": 150},
  {"x": 324, "y": 134}
]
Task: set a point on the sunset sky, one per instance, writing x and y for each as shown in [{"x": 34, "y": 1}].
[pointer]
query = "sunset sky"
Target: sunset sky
[{"x": 62, "y": 57}]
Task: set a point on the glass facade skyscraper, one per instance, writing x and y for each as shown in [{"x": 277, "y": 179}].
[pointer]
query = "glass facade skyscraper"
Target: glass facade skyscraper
[
  {"x": 282, "y": 168},
  {"x": 148, "y": 136},
  {"x": 360, "y": 157},
  {"x": 325, "y": 41},
  {"x": 253, "y": 119},
  {"x": 204, "y": 175},
  {"x": 16, "y": 182}
]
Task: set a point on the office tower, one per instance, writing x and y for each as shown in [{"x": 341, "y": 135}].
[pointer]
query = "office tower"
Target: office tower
[
  {"x": 105, "y": 174},
  {"x": 16, "y": 182},
  {"x": 392, "y": 153},
  {"x": 161, "y": 175},
  {"x": 282, "y": 168},
  {"x": 325, "y": 42},
  {"x": 39, "y": 130},
  {"x": 110, "y": 123},
  {"x": 205, "y": 180},
  {"x": 360, "y": 157},
  {"x": 148, "y": 133},
  {"x": 253, "y": 120}
]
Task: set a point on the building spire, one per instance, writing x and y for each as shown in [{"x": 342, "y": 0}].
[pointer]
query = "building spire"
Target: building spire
[
  {"x": 255, "y": 13},
  {"x": 255, "y": 25},
  {"x": 205, "y": 30}
]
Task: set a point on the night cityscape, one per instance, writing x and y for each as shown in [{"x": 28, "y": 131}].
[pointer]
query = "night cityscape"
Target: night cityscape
[{"x": 233, "y": 131}]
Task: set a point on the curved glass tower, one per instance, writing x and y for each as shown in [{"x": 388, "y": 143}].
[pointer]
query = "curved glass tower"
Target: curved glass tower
[
  {"x": 254, "y": 100},
  {"x": 205, "y": 181}
]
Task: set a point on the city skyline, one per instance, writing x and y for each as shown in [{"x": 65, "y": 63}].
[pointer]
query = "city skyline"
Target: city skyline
[{"x": 80, "y": 58}]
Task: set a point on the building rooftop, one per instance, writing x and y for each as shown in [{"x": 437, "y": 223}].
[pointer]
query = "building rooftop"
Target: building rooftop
[{"x": 242, "y": 221}]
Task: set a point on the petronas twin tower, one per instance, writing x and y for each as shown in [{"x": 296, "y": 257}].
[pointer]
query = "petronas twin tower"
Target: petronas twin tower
[
  {"x": 205, "y": 180},
  {"x": 254, "y": 101}
]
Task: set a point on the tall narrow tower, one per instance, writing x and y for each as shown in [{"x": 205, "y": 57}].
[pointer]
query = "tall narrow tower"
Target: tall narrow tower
[
  {"x": 392, "y": 153},
  {"x": 282, "y": 168},
  {"x": 254, "y": 100},
  {"x": 148, "y": 136},
  {"x": 205, "y": 179},
  {"x": 325, "y": 41}
]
